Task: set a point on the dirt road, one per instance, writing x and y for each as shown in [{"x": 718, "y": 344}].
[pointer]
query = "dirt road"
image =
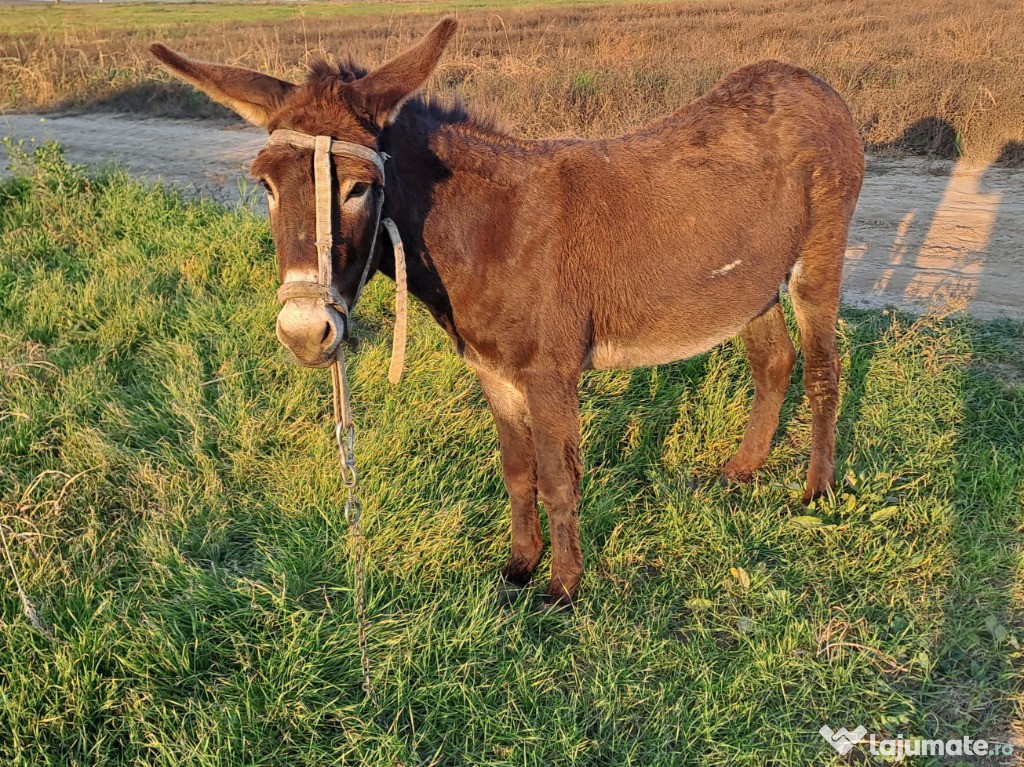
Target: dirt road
[{"x": 925, "y": 231}]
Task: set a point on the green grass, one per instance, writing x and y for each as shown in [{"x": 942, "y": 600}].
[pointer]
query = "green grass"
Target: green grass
[
  {"x": 171, "y": 501},
  {"x": 20, "y": 19}
]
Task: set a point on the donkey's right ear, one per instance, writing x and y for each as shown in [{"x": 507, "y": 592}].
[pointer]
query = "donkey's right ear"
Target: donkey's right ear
[
  {"x": 382, "y": 92},
  {"x": 254, "y": 96}
]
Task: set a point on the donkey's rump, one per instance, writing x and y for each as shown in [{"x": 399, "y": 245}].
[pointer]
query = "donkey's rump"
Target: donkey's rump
[{"x": 693, "y": 223}]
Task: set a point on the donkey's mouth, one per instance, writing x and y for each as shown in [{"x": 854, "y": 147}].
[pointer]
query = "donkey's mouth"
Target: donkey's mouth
[{"x": 322, "y": 361}]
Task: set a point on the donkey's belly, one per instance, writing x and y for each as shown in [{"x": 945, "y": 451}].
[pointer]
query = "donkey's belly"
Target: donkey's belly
[{"x": 658, "y": 350}]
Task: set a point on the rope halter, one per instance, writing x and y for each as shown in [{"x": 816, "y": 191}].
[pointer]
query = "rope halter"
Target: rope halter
[{"x": 323, "y": 289}]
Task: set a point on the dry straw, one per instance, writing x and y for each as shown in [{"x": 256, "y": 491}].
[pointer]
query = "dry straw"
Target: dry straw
[{"x": 936, "y": 77}]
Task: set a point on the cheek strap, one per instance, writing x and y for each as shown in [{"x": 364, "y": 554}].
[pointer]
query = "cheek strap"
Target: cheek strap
[{"x": 398, "y": 342}]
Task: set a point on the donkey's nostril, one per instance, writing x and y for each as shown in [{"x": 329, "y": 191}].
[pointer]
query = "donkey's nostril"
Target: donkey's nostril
[{"x": 330, "y": 335}]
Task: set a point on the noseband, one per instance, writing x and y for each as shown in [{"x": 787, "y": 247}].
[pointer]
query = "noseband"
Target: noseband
[{"x": 323, "y": 289}]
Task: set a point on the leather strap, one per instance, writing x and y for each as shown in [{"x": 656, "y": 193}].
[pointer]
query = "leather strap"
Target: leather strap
[
  {"x": 307, "y": 141},
  {"x": 312, "y": 291},
  {"x": 398, "y": 342},
  {"x": 323, "y": 188}
]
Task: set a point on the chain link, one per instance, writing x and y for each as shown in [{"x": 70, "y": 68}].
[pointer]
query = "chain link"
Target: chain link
[{"x": 346, "y": 439}]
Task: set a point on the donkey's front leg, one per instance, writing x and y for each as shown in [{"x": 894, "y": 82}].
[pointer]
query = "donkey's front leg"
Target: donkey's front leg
[
  {"x": 508, "y": 406},
  {"x": 553, "y": 402}
]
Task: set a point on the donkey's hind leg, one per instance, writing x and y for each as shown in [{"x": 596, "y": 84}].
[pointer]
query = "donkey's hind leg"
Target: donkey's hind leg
[
  {"x": 771, "y": 356},
  {"x": 814, "y": 289}
]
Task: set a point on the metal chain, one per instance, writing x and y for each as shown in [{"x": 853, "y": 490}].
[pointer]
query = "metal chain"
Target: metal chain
[
  {"x": 346, "y": 439},
  {"x": 323, "y": 290}
]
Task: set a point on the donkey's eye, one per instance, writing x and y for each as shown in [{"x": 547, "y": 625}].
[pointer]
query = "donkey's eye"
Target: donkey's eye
[
  {"x": 266, "y": 187},
  {"x": 358, "y": 189}
]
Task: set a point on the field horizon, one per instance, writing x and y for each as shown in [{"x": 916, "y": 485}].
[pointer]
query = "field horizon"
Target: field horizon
[{"x": 936, "y": 78}]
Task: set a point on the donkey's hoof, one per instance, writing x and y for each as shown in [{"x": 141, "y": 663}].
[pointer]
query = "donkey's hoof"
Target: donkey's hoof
[
  {"x": 516, "y": 573},
  {"x": 739, "y": 470},
  {"x": 819, "y": 483},
  {"x": 558, "y": 597},
  {"x": 731, "y": 476},
  {"x": 813, "y": 494},
  {"x": 556, "y": 604}
]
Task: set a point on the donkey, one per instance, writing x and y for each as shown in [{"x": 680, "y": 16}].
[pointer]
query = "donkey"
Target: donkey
[{"x": 541, "y": 259}]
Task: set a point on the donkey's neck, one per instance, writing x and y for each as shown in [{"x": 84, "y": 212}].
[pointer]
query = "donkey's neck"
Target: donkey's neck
[
  {"x": 443, "y": 174},
  {"x": 493, "y": 159}
]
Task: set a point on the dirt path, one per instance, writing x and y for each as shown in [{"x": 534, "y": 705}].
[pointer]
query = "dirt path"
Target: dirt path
[{"x": 925, "y": 231}]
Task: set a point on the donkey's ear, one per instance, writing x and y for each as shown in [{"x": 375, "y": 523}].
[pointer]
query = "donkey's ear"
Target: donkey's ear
[
  {"x": 254, "y": 96},
  {"x": 382, "y": 92}
]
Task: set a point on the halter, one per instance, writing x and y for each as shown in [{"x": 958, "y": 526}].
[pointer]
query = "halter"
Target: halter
[{"x": 323, "y": 289}]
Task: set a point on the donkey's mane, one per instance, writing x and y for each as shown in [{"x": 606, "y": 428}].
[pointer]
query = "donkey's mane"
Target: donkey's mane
[
  {"x": 473, "y": 142},
  {"x": 326, "y": 76}
]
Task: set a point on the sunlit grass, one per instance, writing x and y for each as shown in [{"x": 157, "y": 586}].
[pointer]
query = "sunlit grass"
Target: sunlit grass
[{"x": 168, "y": 487}]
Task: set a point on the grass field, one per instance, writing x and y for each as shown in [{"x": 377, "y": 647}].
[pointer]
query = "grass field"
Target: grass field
[
  {"x": 170, "y": 501},
  {"x": 942, "y": 77},
  {"x": 172, "y": 17}
]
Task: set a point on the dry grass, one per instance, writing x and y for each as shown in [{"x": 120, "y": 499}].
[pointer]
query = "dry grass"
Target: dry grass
[{"x": 936, "y": 76}]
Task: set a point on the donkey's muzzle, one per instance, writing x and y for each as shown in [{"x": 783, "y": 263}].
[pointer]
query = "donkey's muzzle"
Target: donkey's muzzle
[{"x": 311, "y": 330}]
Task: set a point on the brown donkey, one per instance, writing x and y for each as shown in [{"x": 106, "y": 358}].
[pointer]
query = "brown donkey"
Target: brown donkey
[{"x": 541, "y": 259}]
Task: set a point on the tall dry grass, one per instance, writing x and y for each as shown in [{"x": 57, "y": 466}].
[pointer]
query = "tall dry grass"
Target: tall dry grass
[{"x": 936, "y": 76}]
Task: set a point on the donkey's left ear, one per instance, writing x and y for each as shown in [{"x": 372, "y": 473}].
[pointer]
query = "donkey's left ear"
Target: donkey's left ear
[
  {"x": 381, "y": 93},
  {"x": 253, "y": 95}
]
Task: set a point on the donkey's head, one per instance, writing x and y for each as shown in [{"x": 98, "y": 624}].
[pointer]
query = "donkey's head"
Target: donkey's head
[{"x": 350, "y": 109}]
